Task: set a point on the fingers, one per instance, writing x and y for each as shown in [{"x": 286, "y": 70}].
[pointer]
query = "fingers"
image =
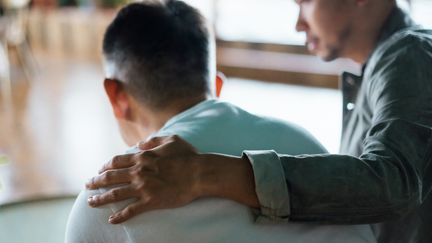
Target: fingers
[
  {"x": 108, "y": 178},
  {"x": 129, "y": 212},
  {"x": 166, "y": 146},
  {"x": 154, "y": 142},
  {"x": 118, "y": 162},
  {"x": 113, "y": 195}
]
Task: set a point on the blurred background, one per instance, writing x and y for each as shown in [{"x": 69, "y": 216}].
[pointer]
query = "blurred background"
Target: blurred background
[{"x": 56, "y": 126}]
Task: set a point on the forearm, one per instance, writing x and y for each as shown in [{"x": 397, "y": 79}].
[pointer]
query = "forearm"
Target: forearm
[
  {"x": 227, "y": 177},
  {"x": 384, "y": 183},
  {"x": 344, "y": 189}
]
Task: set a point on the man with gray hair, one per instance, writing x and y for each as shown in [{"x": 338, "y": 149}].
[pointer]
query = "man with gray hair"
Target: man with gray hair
[{"x": 383, "y": 173}]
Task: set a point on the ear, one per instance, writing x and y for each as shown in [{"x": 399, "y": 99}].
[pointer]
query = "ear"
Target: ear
[
  {"x": 118, "y": 98},
  {"x": 220, "y": 80}
]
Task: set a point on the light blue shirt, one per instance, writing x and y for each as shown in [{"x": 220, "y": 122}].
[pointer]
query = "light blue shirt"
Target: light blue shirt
[{"x": 214, "y": 126}]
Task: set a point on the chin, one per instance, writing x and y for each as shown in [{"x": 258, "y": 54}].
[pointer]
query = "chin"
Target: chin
[{"x": 329, "y": 56}]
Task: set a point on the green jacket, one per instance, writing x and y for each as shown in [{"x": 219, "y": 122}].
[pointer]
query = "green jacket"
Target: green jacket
[{"x": 384, "y": 172}]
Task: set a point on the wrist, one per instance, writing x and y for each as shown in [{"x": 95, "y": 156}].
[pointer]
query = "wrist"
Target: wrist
[
  {"x": 204, "y": 175},
  {"x": 199, "y": 171},
  {"x": 224, "y": 176}
]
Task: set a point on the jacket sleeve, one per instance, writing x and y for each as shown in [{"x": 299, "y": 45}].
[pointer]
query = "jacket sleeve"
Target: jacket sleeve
[{"x": 393, "y": 174}]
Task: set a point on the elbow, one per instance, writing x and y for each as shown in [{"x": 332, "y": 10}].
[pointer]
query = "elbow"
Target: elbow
[{"x": 403, "y": 204}]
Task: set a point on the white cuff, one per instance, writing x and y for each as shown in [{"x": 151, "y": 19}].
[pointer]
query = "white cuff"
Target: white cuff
[{"x": 270, "y": 185}]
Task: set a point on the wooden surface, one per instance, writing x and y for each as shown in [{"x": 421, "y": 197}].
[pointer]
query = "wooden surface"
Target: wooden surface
[{"x": 58, "y": 131}]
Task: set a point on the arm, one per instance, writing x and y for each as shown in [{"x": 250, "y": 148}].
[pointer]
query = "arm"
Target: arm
[
  {"x": 386, "y": 181},
  {"x": 383, "y": 184},
  {"x": 382, "y": 187}
]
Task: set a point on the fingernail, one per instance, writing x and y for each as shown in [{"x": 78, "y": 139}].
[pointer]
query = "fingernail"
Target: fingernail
[
  {"x": 91, "y": 200},
  {"x": 112, "y": 219}
]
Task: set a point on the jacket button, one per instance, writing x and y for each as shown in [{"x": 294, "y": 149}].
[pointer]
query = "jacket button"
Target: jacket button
[{"x": 350, "y": 106}]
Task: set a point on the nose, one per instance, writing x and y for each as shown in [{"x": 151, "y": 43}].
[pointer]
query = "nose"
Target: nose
[{"x": 301, "y": 24}]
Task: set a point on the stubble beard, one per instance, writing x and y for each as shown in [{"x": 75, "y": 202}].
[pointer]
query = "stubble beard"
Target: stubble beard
[{"x": 335, "y": 51}]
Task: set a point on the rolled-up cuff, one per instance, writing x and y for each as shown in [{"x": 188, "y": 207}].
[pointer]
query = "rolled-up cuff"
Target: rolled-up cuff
[{"x": 270, "y": 186}]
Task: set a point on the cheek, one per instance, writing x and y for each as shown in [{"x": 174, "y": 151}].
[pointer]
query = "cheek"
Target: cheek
[
  {"x": 324, "y": 18},
  {"x": 326, "y": 24}
]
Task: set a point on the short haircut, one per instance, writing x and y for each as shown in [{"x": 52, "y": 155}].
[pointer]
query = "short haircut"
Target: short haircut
[{"x": 162, "y": 48}]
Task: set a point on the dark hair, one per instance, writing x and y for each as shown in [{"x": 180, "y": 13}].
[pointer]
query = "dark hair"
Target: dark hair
[{"x": 162, "y": 47}]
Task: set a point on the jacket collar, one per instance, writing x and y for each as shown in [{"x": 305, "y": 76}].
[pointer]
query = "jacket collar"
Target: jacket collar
[{"x": 397, "y": 20}]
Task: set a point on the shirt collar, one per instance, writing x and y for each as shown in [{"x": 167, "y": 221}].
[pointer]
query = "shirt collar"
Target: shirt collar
[{"x": 189, "y": 112}]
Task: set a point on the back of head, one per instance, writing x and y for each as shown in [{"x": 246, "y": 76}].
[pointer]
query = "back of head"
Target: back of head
[{"x": 160, "y": 50}]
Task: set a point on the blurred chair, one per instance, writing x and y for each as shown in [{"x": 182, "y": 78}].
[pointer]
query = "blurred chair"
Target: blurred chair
[
  {"x": 5, "y": 81},
  {"x": 41, "y": 220},
  {"x": 15, "y": 36}
]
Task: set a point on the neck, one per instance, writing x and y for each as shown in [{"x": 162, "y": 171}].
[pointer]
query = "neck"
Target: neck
[
  {"x": 365, "y": 40},
  {"x": 152, "y": 120}
]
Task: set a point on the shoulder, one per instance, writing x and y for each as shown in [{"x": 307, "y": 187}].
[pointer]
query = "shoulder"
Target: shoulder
[
  {"x": 402, "y": 63},
  {"x": 415, "y": 37},
  {"x": 272, "y": 133},
  {"x": 411, "y": 47},
  {"x": 86, "y": 224},
  {"x": 228, "y": 109},
  {"x": 291, "y": 137},
  {"x": 398, "y": 76}
]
